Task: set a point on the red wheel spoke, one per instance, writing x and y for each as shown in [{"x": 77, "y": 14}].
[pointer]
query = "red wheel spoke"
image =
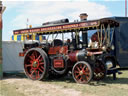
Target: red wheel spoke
[
  {"x": 35, "y": 54},
  {"x": 83, "y": 67},
  {"x": 78, "y": 68},
  {"x": 32, "y": 73},
  {"x": 86, "y": 73},
  {"x": 77, "y": 76},
  {"x": 80, "y": 78},
  {"x": 27, "y": 65},
  {"x": 40, "y": 70},
  {"x": 86, "y": 70},
  {"x": 40, "y": 60},
  {"x": 42, "y": 63},
  {"x": 37, "y": 74},
  {"x": 76, "y": 72},
  {"x": 42, "y": 67},
  {"x": 31, "y": 61},
  {"x": 38, "y": 57},
  {"x": 31, "y": 57}
]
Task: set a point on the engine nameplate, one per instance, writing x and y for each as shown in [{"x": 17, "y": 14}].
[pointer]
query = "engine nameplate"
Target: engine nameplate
[{"x": 58, "y": 63}]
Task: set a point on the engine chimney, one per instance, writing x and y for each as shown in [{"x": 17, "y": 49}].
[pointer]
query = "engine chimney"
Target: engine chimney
[{"x": 83, "y": 17}]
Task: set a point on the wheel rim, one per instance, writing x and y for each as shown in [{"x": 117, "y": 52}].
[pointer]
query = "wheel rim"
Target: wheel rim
[
  {"x": 82, "y": 72},
  {"x": 99, "y": 71},
  {"x": 34, "y": 65}
]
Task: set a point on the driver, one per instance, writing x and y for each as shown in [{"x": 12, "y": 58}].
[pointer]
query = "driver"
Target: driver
[{"x": 68, "y": 41}]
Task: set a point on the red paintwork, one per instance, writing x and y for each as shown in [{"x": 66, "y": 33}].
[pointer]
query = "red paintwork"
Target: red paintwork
[
  {"x": 73, "y": 56},
  {"x": 58, "y": 49},
  {"x": 21, "y": 54},
  {"x": 58, "y": 63}
]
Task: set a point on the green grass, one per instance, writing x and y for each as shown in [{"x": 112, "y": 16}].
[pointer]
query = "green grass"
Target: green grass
[{"x": 106, "y": 87}]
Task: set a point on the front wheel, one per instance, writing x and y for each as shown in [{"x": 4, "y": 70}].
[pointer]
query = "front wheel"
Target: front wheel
[
  {"x": 82, "y": 72},
  {"x": 36, "y": 64}
]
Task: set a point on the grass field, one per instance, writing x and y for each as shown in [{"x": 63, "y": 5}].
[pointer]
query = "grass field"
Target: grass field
[{"x": 21, "y": 86}]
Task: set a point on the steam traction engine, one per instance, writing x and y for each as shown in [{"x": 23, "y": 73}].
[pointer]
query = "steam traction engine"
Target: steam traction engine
[{"x": 57, "y": 57}]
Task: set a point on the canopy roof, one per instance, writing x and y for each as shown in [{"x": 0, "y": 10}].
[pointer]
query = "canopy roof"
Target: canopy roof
[{"x": 68, "y": 27}]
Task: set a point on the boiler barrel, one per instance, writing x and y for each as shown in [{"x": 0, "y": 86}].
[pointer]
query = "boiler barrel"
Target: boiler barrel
[{"x": 77, "y": 56}]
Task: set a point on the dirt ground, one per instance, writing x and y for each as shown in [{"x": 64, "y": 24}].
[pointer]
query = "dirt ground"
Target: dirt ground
[
  {"x": 21, "y": 86},
  {"x": 37, "y": 88}
]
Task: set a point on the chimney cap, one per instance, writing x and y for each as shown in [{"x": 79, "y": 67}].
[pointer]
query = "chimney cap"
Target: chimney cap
[{"x": 83, "y": 14}]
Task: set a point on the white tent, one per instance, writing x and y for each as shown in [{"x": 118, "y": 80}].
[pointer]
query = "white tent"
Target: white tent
[{"x": 11, "y": 60}]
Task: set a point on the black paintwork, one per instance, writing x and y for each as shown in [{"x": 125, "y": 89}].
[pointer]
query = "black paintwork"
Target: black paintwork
[{"x": 121, "y": 41}]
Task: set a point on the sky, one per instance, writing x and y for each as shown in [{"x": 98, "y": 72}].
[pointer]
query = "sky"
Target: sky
[{"x": 40, "y": 11}]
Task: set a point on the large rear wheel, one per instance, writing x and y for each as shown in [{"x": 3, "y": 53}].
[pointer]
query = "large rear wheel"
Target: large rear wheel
[
  {"x": 36, "y": 64},
  {"x": 82, "y": 72}
]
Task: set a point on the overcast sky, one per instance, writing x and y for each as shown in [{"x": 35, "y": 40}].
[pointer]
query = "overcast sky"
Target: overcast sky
[{"x": 17, "y": 12}]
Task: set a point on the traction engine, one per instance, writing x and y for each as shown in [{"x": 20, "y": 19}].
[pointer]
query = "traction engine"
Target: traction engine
[{"x": 85, "y": 60}]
